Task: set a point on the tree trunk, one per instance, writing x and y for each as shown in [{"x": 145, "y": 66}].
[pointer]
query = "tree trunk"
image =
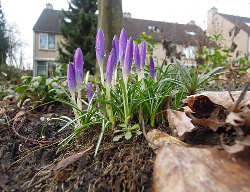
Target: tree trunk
[{"x": 110, "y": 19}]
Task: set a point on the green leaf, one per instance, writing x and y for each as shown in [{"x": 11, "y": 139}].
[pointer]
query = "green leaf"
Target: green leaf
[
  {"x": 117, "y": 138},
  {"x": 138, "y": 132},
  {"x": 36, "y": 84},
  {"x": 116, "y": 131},
  {"x": 135, "y": 126},
  {"x": 128, "y": 135},
  {"x": 22, "y": 88},
  {"x": 123, "y": 125}
]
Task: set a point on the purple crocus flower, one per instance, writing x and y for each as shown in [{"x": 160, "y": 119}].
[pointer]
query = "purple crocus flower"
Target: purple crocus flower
[
  {"x": 128, "y": 57},
  {"x": 137, "y": 58},
  {"x": 110, "y": 66},
  {"x": 115, "y": 46},
  {"x": 99, "y": 46},
  {"x": 89, "y": 92},
  {"x": 71, "y": 79},
  {"x": 151, "y": 67},
  {"x": 143, "y": 48},
  {"x": 122, "y": 45},
  {"x": 78, "y": 65}
]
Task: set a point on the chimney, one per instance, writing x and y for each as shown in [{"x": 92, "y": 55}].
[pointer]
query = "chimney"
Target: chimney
[
  {"x": 192, "y": 22},
  {"x": 127, "y": 15},
  {"x": 49, "y": 6}
]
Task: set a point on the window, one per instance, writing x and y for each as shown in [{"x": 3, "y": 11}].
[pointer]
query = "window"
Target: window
[
  {"x": 190, "y": 32},
  {"x": 189, "y": 52},
  {"x": 47, "y": 41},
  {"x": 41, "y": 68}
]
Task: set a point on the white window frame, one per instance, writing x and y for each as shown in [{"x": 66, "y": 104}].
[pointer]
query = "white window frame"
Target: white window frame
[
  {"x": 189, "y": 52},
  {"x": 47, "y": 41}
]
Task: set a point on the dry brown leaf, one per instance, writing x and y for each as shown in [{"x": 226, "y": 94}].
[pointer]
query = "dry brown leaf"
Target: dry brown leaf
[
  {"x": 179, "y": 121},
  {"x": 69, "y": 160},
  {"x": 161, "y": 138},
  {"x": 19, "y": 116},
  {"x": 212, "y": 124},
  {"x": 238, "y": 147},
  {"x": 186, "y": 169},
  {"x": 219, "y": 98}
]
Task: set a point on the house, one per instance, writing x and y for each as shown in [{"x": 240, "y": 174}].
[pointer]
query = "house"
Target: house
[
  {"x": 173, "y": 40},
  {"x": 46, "y": 35},
  {"x": 234, "y": 29}
]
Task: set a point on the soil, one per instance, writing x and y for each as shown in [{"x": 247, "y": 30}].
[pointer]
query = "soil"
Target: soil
[{"x": 27, "y": 165}]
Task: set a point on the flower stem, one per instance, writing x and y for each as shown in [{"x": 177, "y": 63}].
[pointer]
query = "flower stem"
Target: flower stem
[{"x": 109, "y": 107}]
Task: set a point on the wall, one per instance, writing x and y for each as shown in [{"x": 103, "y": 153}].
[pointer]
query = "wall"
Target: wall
[{"x": 217, "y": 24}]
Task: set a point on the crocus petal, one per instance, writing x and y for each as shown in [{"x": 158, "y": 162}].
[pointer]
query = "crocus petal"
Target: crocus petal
[
  {"x": 128, "y": 57},
  {"x": 137, "y": 58},
  {"x": 78, "y": 65},
  {"x": 151, "y": 67},
  {"x": 143, "y": 48},
  {"x": 122, "y": 45},
  {"x": 110, "y": 66},
  {"x": 71, "y": 79},
  {"x": 115, "y": 46},
  {"x": 89, "y": 92},
  {"x": 99, "y": 46}
]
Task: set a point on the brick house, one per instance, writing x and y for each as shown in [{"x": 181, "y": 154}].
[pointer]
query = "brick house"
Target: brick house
[
  {"x": 178, "y": 39},
  {"x": 234, "y": 29}
]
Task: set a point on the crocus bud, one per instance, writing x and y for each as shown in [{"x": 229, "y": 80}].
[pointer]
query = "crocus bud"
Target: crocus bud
[
  {"x": 122, "y": 45},
  {"x": 128, "y": 57},
  {"x": 99, "y": 46},
  {"x": 71, "y": 79},
  {"x": 110, "y": 66},
  {"x": 137, "y": 58},
  {"x": 151, "y": 67},
  {"x": 89, "y": 92},
  {"x": 143, "y": 48},
  {"x": 115, "y": 46},
  {"x": 78, "y": 65}
]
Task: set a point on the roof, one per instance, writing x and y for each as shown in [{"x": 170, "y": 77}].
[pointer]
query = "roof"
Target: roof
[
  {"x": 238, "y": 21},
  {"x": 174, "y": 32},
  {"x": 48, "y": 21}
]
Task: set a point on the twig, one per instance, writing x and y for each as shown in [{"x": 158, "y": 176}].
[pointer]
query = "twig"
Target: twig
[
  {"x": 33, "y": 140},
  {"x": 28, "y": 111},
  {"x": 242, "y": 95},
  {"x": 144, "y": 131}
]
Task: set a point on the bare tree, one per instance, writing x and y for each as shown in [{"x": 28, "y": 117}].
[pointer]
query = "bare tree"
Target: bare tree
[{"x": 17, "y": 46}]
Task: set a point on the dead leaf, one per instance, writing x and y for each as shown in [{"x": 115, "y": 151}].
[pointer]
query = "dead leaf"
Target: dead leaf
[
  {"x": 187, "y": 169},
  {"x": 161, "y": 138},
  {"x": 179, "y": 121},
  {"x": 19, "y": 116},
  {"x": 238, "y": 147},
  {"x": 219, "y": 98},
  {"x": 69, "y": 160},
  {"x": 212, "y": 124}
]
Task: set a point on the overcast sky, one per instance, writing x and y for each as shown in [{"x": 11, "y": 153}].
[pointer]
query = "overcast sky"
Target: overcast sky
[{"x": 26, "y": 12}]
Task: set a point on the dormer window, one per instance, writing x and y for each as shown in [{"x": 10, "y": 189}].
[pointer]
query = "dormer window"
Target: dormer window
[
  {"x": 190, "y": 32},
  {"x": 154, "y": 29},
  {"x": 47, "y": 41}
]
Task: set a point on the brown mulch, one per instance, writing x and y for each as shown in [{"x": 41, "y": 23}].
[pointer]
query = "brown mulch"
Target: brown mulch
[{"x": 27, "y": 165}]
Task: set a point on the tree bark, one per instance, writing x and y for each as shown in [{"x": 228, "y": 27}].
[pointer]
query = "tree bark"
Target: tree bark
[{"x": 110, "y": 19}]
